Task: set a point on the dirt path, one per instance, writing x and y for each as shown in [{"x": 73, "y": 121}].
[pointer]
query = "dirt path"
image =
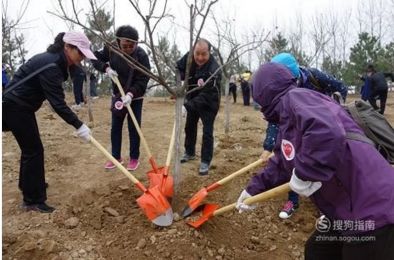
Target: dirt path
[{"x": 97, "y": 217}]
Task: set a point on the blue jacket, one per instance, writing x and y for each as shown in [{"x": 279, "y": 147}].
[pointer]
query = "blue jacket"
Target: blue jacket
[
  {"x": 357, "y": 182},
  {"x": 326, "y": 83}
]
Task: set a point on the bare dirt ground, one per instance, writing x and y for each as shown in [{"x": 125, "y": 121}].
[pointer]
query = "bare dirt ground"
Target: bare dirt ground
[{"x": 97, "y": 216}]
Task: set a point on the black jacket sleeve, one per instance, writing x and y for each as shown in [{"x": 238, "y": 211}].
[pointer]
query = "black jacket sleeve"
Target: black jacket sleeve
[
  {"x": 51, "y": 81},
  {"x": 140, "y": 80},
  {"x": 102, "y": 58}
]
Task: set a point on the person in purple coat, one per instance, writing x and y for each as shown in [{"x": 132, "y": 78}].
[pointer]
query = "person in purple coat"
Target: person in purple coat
[{"x": 347, "y": 179}]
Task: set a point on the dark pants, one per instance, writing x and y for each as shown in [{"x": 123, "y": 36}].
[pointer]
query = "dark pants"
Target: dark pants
[
  {"x": 23, "y": 126},
  {"x": 78, "y": 95},
  {"x": 246, "y": 96},
  {"x": 93, "y": 89},
  {"x": 382, "y": 95},
  {"x": 134, "y": 138},
  {"x": 381, "y": 247},
  {"x": 233, "y": 91},
  {"x": 191, "y": 126}
]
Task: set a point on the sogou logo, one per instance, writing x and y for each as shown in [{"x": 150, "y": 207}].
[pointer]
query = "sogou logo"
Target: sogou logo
[
  {"x": 287, "y": 149},
  {"x": 323, "y": 224}
]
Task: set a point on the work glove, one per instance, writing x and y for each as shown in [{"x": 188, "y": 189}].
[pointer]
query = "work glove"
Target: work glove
[
  {"x": 242, "y": 206},
  {"x": 184, "y": 111},
  {"x": 84, "y": 133},
  {"x": 306, "y": 188},
  {"x": 200, "y": 82},
  {"x": 110, "y": 72},
  {"x": 126, "y": 99}
]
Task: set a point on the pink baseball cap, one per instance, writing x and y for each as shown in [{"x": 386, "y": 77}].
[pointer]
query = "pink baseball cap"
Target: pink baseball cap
[{"x": 80, "y": 41}]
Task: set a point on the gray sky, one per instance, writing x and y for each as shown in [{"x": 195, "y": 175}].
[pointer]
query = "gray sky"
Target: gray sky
[{"x": 40, "y": 27}]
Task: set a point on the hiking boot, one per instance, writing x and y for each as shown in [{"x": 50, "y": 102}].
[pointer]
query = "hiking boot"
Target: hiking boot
[
  {"x": 186, "y": 158},
  {"x": 288, "y": 209},
  {"x": 40, "y": 207},
  {"x": 204, "y": 167},
  {"x": 111, "y": 165},
  {"x": 133, "y": 165}
]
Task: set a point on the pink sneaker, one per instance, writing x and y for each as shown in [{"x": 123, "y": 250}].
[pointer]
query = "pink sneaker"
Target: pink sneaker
[
  {"x": 133, "y": 165},
  {"x": 111, "y": 165}
]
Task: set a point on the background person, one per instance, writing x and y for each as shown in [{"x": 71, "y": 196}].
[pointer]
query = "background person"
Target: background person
[
  {"x": 379, "y": 87},
  {"x": 233, "y": 88}
]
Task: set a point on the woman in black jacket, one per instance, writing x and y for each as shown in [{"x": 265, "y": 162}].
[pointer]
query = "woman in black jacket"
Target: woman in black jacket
[
  {"x": 40, "y": 79},
  {"x": 134, "y": 84}
]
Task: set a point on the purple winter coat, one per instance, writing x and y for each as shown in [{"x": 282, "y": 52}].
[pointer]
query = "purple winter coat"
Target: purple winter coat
[{"x": 357, "y": 182}]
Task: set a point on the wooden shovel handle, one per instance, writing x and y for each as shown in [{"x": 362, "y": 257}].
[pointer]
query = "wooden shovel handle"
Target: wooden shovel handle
[
  {"x": 256, "y": 198},
  {"x": 137, "y": 127},
  {"x": 118, "y": 164},
  {"x": 171, "y": 147},
  {"x": 243, "y": 170}
]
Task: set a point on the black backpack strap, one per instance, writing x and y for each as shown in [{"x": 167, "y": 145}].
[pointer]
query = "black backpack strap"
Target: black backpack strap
[
  {"x": 11, "y": 88},
  {"x": 359, "y": 137}
]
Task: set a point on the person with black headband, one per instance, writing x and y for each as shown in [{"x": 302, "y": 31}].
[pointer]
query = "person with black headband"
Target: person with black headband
[{"x": 134, "y": 83}]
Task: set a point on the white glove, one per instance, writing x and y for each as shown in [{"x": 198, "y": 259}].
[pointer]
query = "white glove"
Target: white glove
[
  {"x": 200, "y": 82},
  {"x": 84, "y": 132},
  {"x": 110, "y": 72},
  {"x": 242, "y": 206},
  {"x": 184, "y": 111},
  {"x": 127, "y": 98},
  {"x": 306, "y": 188}
]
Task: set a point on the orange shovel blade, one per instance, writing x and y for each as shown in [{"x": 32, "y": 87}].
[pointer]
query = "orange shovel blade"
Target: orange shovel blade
[
  {"x": 194, "y": 202},
  {"x": 156, "y": 207},
  {"x": 207, "y": 213},
  {"x": 162, "y": 180}
]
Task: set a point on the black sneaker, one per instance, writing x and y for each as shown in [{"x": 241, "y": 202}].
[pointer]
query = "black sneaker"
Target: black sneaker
[
  {"x": 40, "y": 207},
  {"x": 186, "y": 158}
]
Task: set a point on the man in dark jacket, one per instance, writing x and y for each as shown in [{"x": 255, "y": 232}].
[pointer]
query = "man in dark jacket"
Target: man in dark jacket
[
  {"x": 134, "y": 84},
  {"x": 202, "y": 101},
  {"x": 378, "y": 86}
]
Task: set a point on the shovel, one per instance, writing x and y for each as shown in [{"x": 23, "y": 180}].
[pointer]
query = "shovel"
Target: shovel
[
  {"x": 197, "y": 198},
  {"x": 211, "y": 210},
  {"x": 137, "y": 127},
  {"x": 164, "y": 180},
  {"x": 152, "y": 202}
]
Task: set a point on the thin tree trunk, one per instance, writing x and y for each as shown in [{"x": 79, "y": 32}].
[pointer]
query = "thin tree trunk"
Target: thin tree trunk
[{"x": 226, "y": 107}]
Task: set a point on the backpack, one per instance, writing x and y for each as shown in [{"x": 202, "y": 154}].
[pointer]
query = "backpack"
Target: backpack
[{"x": 375, "y": 127}]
